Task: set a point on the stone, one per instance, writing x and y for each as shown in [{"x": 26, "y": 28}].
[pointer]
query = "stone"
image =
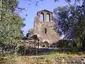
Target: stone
[{"x": 45, "y": 29}]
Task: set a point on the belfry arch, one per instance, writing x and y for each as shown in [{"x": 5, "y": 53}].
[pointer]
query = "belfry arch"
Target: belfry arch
[
  {"x": 45, "y": 15},
  {"x": 41, "y": 17}
]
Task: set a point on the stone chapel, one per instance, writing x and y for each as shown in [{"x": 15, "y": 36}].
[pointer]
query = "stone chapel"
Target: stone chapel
[{"x": 44, "y": 27}]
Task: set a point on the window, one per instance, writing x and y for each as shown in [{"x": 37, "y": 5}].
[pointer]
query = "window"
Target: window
[
  {"x": 46, "y": 44},
  {"x": 48, "y": 17},
  {"x": 45, "y": 31},
  {"x": 41, "y": 17}
]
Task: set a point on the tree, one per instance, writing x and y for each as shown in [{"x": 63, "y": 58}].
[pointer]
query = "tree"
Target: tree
[
  {"x": 10, "y": 23},
  {"x": 71, "y": 22}
]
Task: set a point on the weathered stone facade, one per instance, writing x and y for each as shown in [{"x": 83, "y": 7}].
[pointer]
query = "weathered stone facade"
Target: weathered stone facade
[{"x": 45, "y": 29}]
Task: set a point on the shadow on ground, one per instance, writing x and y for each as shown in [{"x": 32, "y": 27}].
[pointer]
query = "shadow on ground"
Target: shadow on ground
[{"x": 44, "y": 51}]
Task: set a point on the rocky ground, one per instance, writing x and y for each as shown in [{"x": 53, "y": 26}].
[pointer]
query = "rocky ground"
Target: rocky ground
[
  {"x": 41, "y": 60},
  {"x": 56, "y": 60}
]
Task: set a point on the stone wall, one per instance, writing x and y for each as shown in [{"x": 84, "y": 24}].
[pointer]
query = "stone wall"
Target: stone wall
[{"x": 45, "y": 29}]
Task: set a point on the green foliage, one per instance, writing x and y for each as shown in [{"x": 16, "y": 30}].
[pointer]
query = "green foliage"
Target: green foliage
[
  {"x": 71, "y": 20},
  {"x": 10, "y": 28},
  {"x": 10, "y": 23},
  {"x": 9, "y": 4}
]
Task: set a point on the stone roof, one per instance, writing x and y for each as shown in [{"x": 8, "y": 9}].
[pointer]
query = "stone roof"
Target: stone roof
[{"x": 44, "y": 11}]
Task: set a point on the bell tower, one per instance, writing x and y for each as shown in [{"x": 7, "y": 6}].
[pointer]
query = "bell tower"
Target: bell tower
[
  {"x": 45, "y": 14},
  {"x": 44, "y": 27}
]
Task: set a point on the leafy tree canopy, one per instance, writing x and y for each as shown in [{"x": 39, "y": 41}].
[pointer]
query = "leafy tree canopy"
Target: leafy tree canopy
[
  {"x": 71, "y": 21},
  {"x": 10, "y": 22}
]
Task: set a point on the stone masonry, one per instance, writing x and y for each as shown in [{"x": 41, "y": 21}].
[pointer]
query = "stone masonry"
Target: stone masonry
[{"x": 45, "y": 29}]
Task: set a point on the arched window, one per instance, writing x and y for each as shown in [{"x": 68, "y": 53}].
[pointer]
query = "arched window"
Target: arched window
[
  {"x": 48, "y": 17},
  {"x": 41, "y": 17},
  {"x": 46, "y": 44},
  {"x": 45, "y": 30}
]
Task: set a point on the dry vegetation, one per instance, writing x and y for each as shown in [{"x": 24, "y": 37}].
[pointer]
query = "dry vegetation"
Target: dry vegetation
[{"x": 53, "y": 58}]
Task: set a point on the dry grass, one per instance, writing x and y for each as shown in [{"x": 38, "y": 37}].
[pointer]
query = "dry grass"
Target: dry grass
[
  {"x": 42, "y": 59},
  {"x": 51, "y": 55}
]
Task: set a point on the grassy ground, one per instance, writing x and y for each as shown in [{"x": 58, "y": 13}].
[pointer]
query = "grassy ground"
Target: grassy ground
[
  {"x": 56, "y": 54},
  {"x": 37, "y": 59}
]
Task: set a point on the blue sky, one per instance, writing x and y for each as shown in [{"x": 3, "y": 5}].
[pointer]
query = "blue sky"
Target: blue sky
[{"x": 31, "y": 11}]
